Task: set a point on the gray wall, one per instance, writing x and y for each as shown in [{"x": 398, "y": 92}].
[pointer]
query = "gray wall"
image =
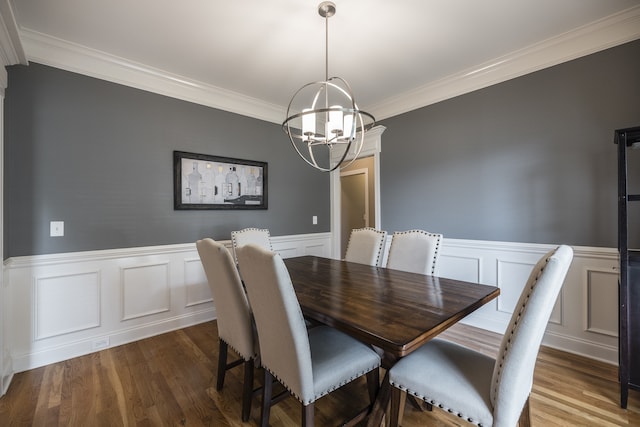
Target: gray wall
[
  {"x": 98, "y": 156},
  {"x": 528, "y": 160}
]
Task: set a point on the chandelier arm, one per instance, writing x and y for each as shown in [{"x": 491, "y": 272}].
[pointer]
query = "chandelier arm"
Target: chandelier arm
[
  {"x": 315, "y": 165},
  {"x": 287, "y": 128},
  {"x": 288, "y": 132}
]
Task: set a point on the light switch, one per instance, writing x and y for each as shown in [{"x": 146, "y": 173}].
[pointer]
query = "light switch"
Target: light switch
[{"x": 56, "y": 228}]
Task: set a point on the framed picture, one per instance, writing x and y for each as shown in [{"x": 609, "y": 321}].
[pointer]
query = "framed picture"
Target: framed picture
[{"x": 202, "y": 181}]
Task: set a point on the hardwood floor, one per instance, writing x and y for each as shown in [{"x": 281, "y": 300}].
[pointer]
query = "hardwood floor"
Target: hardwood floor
[{"x": 170, "y": 380}]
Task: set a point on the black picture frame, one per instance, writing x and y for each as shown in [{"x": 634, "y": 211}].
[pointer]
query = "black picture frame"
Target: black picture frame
[{"x": 203, "y": 181}]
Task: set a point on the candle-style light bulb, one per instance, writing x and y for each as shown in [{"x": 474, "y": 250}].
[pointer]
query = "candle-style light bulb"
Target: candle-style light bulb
[{"x": 335, "y": 120}]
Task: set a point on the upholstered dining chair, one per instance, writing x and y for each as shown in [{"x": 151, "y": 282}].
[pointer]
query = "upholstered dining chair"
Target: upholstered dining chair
[
  {"x": 309, "y": 363},
  {"x": 416, "y": 251},
  {"x": 259, "y": 236},
  {"x": 365, "y": 246},
  {"x": 477, "y": 388},
  {"x": 235, "y": 327}
]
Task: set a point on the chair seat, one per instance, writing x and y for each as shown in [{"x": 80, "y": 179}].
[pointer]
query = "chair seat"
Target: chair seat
[
  {"x": 337, "y": 359},
  {"x": 442, "y": 371}
]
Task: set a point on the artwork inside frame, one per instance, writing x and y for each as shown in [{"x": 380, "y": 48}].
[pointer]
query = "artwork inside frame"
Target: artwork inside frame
[{"x": 203, "y": 181}]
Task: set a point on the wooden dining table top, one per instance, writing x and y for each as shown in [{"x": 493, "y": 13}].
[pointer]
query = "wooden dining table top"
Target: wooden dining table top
[{"x": 391, "y": 309}]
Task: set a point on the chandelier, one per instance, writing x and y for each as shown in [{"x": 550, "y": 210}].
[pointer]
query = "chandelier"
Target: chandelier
[{"x": 324, "y": 123}]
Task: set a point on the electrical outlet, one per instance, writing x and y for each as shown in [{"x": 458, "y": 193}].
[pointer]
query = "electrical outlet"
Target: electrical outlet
[
  {"x": 315, "y": 220},
  {"x": 100, "y": 343},
  {"x": 56, "y": 228}
]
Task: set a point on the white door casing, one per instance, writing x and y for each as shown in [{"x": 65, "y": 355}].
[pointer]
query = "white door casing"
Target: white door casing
[{"x": 372, "y": 147}]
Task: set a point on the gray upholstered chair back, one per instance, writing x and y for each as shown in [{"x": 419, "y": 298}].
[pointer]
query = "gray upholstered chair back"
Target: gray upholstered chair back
[
  {"x": 282, "y": 333},
  {"x": 416, "y": 251},
  {"x": 232, "y": 307},
  {"x": 365, "y": 246},
  {"x": 258, "y": 236},
  {"x": 513, "y": 372}
]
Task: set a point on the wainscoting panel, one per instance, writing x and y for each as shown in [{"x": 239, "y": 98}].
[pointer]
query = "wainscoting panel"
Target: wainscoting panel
[
  {"x": 316, "y": 250},
  {"x": 64, "y": 305},
  {"x": 145, "y": 290},
  {"x": 512, "y": 277},
  {"x": 288, "y": 252},
  {"x": 303, "y": 245},
  {"x": 601, "y": 300},
  {"x": 195, "y": 282},
  {"x": 556, "y": 314},
  {"x": 458, "y": 267}
]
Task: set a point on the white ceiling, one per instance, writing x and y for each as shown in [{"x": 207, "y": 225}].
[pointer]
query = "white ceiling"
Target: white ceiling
[{"x": 251, "y": 56}]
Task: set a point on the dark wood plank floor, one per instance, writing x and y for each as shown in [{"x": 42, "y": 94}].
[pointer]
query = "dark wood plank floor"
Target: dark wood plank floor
[{"x": 170, "y": 380}]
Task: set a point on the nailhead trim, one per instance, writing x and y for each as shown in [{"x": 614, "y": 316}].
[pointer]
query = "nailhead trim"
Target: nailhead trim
[
  {"x": 234, "y": 243},
  {"x": 433, "y": 402},
  {"x": 254, "y": 356},
  {"x": 316, "y": 397}
]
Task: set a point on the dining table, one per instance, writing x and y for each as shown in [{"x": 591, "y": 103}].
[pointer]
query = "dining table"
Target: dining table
[{"x": 393, "y": 310}]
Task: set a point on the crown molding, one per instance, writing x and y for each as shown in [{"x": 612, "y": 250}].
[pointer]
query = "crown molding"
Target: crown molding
[
  {"x": 62, "y": 54},
  {"x": 599, "y": 35},
  {"x": 11, "y": 51}
]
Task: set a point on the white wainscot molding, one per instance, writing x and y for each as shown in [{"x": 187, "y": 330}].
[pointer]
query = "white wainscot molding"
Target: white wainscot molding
[
  {"x": 61, "y": 306},
  {"x": 585, "y": 317}
]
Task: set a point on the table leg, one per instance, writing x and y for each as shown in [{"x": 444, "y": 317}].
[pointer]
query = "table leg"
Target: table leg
[
  {"x": 380, "y": 405},
  {"x": 401, "y": 403}
]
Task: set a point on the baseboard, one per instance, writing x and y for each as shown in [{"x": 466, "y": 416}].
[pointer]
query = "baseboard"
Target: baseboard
[
  {"x": 587, "y": 348},
  {"x": 70, "y": 350},
  {"x": 152, "y": 329},
  {"x": 7, "y": 375}
]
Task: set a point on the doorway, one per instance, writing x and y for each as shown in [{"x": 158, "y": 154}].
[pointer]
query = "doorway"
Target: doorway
[
  {"x": 368, "y": 159},
  {"x": 354, "y": 199}
]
